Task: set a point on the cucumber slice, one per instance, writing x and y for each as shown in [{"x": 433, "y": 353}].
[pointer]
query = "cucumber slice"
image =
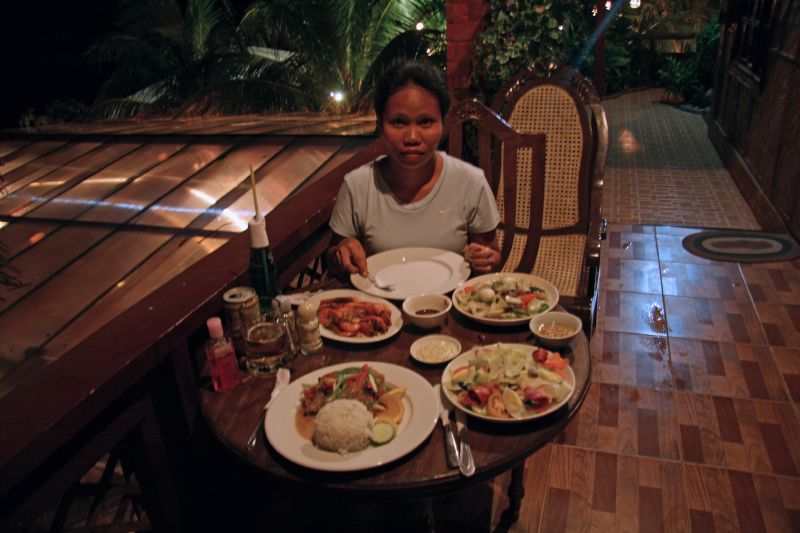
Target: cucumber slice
[{"x": 382, "y": 432}]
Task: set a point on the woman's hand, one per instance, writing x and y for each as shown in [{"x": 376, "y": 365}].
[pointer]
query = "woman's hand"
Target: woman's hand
[
  {"x": 348, "y": 257},
  {"x": 481, "y": 258}
]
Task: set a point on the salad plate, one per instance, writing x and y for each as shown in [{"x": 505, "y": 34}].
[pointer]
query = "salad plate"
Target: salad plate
[
  {"x": 394, "y": 327},
  {"x": 419, "y": 419},
  {"x": 411, "y": 271},
  {"x": 510, "y": 368},
  {"x": 505, "y": 298}
]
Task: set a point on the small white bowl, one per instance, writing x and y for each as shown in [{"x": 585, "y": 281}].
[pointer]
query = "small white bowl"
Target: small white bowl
[
  {"x": 435, "y": 349},
  {"x": 435, "y": 308},
  {"x": 568, "y": 321}
]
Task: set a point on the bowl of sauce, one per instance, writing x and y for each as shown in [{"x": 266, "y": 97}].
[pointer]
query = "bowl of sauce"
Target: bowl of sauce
[
  {"x": 426, "y": 311},
  {"x": 435, "y": 349},
  {"x": 555, "y": 329}
]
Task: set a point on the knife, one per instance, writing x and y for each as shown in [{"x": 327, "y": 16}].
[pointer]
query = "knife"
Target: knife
[
  {"x": 466, "y": 463},
  {"x": 449, "y": 437}
]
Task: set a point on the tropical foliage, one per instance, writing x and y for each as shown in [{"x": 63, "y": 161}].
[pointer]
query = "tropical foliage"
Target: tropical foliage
[
  {"x": 671, "y": 16},
  {"x": 543, "y": 32},
  {"x": 343, "y": 45},
  {"x": 207, "y": 58},
  {"x": 519, "y": 34},
  {"x": 691, "y": 78}
]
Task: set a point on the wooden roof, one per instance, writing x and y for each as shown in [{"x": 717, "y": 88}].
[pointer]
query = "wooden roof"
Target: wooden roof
[{"x": 93, "y": 217}]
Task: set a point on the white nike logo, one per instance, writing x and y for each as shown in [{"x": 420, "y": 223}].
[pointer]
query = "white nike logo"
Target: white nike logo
[{"x": 443, "y": 211}]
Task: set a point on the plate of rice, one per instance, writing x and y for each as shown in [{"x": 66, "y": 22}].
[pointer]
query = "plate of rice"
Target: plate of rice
[{"x": 342, "y": 427}]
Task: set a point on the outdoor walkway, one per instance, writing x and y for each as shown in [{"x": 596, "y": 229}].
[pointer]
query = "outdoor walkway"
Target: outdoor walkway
[
  {"x": 662, "y": 168},
  {"x": 691, "y": 422}
]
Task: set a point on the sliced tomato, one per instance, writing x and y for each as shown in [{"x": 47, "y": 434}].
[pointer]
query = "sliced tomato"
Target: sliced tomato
[
  {"x": 540, "y": 355},
  {"x": 477, "y": 395},
  {"x": 495, "y": 406},
  {"x": 556, "y": 363},
  {"x": 467, "y": 399},
  {"x": 535, "y": 397},
  {"x": 526, "y": 298}
]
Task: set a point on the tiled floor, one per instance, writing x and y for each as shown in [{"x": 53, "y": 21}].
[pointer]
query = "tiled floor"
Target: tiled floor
[{"x": 691, "y": 422}]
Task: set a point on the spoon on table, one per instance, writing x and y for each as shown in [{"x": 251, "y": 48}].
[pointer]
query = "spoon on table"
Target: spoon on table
[
  {"x": 281, "y": 381},
  {"x": 378, "y": 284}
]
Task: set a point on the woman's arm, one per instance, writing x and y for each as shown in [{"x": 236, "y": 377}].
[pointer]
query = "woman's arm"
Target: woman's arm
[
  {"x": 483, "y": 251},
  {"x": 346, "y": 256}
]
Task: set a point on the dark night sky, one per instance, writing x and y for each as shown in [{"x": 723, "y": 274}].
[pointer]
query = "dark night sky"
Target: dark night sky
[{"x": 41, "y": 47}]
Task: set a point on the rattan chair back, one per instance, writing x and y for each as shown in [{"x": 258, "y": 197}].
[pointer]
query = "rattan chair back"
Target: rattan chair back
[
  {"x": 519, "y": 182},
  {"x": 564, "y": 106}
]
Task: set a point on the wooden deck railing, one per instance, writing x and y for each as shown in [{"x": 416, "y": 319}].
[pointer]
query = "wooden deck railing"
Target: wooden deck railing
[{"x": 135, "y": 380}]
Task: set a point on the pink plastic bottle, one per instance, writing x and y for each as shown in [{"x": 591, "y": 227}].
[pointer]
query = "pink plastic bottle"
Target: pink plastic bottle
[{"x": 222, "y": 363}]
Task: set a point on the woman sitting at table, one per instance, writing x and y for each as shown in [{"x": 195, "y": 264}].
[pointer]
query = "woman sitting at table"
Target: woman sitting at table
[{"x": 416, "y": 195}]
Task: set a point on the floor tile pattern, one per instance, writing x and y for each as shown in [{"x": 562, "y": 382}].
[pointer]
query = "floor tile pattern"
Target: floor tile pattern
[{"x": 691, "y": 422}]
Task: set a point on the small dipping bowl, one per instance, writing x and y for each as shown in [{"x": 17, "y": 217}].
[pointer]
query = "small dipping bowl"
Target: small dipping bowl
[
  {"x": 427, "y": 311},
  {"x": 555, "y": 329},
  {"x": 435, "y": 349}
]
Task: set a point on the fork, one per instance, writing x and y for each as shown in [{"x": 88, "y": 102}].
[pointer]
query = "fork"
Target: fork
[
  {"x": 378, "y": 284},
  {"x": 466, "y": 463},
  {"x": 281, "y": 381}
]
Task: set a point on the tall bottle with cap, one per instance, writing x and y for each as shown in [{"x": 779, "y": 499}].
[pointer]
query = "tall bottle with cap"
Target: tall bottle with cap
[
  {"x": 222, "y": 364},
  {"x": 263, "y": 272}
]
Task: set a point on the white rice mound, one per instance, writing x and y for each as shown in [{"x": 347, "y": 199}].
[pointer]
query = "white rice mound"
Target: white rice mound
[{"x": 343, "y": 426}]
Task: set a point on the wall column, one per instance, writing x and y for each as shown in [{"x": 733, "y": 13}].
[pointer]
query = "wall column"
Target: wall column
[{"x": 465, "y": 19}]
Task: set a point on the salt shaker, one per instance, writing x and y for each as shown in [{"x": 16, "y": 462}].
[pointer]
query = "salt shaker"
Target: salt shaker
[{"x": 308, "y": 329}]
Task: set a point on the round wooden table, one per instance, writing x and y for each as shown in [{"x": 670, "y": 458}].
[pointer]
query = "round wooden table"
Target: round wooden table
[{"x": 423, "y": 473}]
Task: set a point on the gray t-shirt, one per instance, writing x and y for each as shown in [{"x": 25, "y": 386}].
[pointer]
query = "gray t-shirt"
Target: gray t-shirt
[{"x": 460, "y": 203}]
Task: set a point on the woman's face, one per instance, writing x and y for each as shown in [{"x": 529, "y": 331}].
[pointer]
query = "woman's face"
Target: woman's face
[{"x": 412, "y": 126}]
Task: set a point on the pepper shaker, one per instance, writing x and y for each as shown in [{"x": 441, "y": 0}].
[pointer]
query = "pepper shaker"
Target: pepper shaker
[{"x": 308, "y": 329}]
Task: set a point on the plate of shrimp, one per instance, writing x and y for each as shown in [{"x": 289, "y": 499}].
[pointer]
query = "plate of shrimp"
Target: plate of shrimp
[{"x": 351, "y": 316}]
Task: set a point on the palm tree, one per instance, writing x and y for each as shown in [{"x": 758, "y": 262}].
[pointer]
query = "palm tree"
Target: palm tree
[
  {"x": 163, "y": 54},
  {"x": 283, "y": 54},
  {"x": 344, "y": 46}
]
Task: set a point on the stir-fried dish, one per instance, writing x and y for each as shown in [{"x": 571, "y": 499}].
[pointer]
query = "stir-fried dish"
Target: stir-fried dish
[
  {"x": 502, "y": 298},
  {"x": 364, "y": 384},
  {"x": 351, "y": 317},
  {"x": 509, "y": 382}
]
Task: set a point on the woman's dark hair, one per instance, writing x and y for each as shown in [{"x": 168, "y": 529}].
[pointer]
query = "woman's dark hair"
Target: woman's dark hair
[{"x": 419, "y": 72}]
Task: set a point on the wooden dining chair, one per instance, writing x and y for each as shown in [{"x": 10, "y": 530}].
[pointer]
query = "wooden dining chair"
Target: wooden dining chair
[
  {"x": 565, "y": 106},
  {"x": 517, "y": 179}
]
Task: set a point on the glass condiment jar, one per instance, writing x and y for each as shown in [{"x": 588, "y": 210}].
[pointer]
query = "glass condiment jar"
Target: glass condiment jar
[{"x": 308, "y": 329}]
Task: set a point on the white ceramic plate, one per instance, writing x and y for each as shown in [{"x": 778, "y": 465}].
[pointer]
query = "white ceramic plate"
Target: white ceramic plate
[
  {"x": 397, "y": 316},
  {"x": 413, "y": 271},
  {"x": 549, "y": 289},
  {"x": 437, "y": 342},
  {"x": 469, "y": 355},
  {"x": 419, "y": 419}
]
